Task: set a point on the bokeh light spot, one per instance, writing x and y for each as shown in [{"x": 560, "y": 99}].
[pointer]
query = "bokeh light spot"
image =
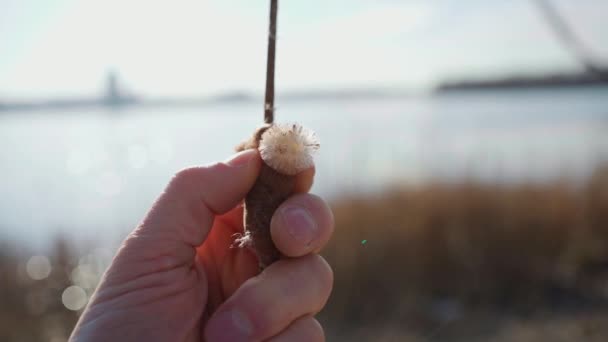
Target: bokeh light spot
[
  {"x": 74, "y": 298},
  {"x": 38, "y": 267}
]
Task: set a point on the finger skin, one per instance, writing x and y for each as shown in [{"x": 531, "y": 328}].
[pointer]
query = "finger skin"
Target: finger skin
[
  {"x": 155, "y": 276},
  {"x": 181, "y": 218},
  {"x": 303, "y": 224},
  {"x": 185, "y": 211},
  {"x": 305, "y": 180},
  {"x": 267, "y": 304},
  {"x": 306, "y": 329}
]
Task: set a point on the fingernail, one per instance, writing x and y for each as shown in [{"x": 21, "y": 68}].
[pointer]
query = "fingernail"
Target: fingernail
[
  {"x": 229, "y": 326},
  {"x": 300, "y": 224},
  {"x": 241, "y": 159}
]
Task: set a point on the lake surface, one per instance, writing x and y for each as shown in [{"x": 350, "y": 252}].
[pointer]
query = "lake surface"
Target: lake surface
[{"x": 91, "y": 174}]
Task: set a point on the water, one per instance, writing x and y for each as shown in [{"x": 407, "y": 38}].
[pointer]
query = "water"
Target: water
[{"x": 92, "y": 174}]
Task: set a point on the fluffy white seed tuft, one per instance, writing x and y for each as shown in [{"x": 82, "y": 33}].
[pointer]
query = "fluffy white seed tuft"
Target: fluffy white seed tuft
[
  {"x": 288, "y": 148},
  {"x": 242, "y": 240}
]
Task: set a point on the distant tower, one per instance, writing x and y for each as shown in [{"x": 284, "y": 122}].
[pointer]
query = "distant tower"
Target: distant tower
[
  {"x": 112, "y": 92},
  {"x": 114, "y": 95}
]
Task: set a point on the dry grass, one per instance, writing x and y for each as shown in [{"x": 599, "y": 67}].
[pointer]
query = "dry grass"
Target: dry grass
[
  {"x": 440, "y": 254},
  {"x": 32, "y": 310}
]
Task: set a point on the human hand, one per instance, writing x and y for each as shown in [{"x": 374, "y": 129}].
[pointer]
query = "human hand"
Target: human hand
[{"x": 176, "y": 277}]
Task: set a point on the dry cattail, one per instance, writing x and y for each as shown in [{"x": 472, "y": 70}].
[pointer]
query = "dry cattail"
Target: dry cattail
[{"x": 286, "y": 150}]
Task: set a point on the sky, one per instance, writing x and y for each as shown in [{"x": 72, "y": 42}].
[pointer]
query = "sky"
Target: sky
[{"x": 64, "y": 48}]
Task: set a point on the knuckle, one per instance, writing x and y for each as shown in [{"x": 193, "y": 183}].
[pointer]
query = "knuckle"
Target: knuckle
[
  {"x": 185, "y": 178},
  {"x": 190, "y": 177}
]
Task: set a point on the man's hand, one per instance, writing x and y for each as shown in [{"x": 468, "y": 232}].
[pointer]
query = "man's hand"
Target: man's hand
[{"x": 178, "y": 278}]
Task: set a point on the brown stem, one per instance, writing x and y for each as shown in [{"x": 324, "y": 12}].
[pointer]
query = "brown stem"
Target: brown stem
[
  {"x": 270, "y": 66},
  {"x": 270, "y": 190}
]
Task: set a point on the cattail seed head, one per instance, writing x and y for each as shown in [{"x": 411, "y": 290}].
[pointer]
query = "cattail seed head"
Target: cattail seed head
[{"x": 288, "y": 149}]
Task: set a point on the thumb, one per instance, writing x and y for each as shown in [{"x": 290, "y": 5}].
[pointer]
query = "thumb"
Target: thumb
[
  {"x": 186, "y": 209},
  {"x": 183, "y": 215}
]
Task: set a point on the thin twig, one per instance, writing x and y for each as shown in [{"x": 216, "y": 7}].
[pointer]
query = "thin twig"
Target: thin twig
[{"x": 272, "y": 45}]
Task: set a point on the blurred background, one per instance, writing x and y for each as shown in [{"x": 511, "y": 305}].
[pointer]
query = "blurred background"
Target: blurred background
[{"x": 464, "y": 151}]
